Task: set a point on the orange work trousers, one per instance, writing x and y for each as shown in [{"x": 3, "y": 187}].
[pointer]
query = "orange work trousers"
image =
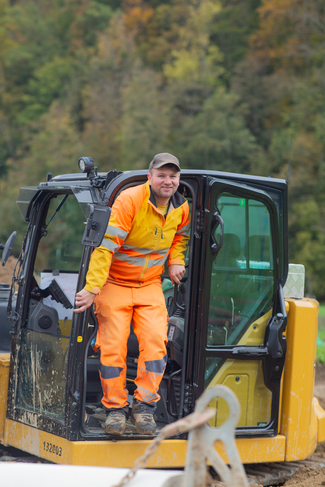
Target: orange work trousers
[{"x": 116, "y": 307}]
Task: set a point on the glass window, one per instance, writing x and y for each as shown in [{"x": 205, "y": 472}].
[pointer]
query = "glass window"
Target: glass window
[
  {"x": 259, "y": 234},
  {"x": 43, "y": 355},
  {"x": 232, "y": 253},
  {"x": 43, "y": 360},
  {"x": 241, "y": 287},
  {"x": 240, "y": 303},
  {"x": 61, "y": 247}
]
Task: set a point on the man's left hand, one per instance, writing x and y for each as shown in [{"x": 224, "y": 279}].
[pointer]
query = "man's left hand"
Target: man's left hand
[{"x": 176, "y": 273}]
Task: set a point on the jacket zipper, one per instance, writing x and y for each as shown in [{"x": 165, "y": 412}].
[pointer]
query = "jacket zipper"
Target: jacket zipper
[{"x": 147, "y": 257}]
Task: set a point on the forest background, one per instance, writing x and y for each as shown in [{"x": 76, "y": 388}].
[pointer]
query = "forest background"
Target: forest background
[{"x": 221, "y": 84}]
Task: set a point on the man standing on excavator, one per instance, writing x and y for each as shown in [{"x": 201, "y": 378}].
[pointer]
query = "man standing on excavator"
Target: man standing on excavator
[{"x": 149, "y": 224}]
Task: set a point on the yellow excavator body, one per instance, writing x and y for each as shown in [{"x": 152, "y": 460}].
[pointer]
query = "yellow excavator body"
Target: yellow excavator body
[{"x": 301, "y": 422}]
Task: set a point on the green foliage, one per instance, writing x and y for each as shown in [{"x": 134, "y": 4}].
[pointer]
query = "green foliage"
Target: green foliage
[
  {"x": 145, "y": 123},
  {"x": 217, "y": 135},
  {"x": 220, "y": 83},
  {"x": 320, "y": 349},
  {"x": 196, "y": 61},
  {"x": 322, "y": 310},
  {"x": 48, "y": 83},
  {"x": 320, "y": 354},
  {"x": 94, "y": 18},
  {"x": 33, "y": 41},
  {"x": 232, "y": 29}
]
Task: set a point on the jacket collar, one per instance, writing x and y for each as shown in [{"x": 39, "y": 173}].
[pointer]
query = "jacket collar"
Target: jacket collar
[{"x": 175, "y": 201}]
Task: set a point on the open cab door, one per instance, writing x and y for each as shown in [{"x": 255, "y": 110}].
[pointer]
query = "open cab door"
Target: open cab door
[{"x": 240, "y": 341}]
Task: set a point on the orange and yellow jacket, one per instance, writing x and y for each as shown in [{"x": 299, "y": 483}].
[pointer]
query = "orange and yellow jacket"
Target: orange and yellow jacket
[{"x": 139, "y": 240}]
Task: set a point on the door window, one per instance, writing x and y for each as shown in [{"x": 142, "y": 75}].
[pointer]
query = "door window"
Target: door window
[
  {"x": 43, "y": 355},
  {"x": 240, "y": 303},
  {"x": 241, "y": 287}
]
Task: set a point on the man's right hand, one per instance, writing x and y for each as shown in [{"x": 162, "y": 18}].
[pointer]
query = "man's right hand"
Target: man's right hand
[{"x": 84, "y": 299}]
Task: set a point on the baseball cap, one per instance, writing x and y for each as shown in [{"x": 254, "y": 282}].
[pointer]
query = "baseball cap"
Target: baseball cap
[{"x": 164, "y": 158}]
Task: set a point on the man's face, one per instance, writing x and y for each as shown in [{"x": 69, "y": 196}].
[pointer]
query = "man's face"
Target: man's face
[{"x": 164, "y": 182}]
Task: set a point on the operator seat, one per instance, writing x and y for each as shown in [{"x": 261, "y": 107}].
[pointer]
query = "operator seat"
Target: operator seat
[
  {"x": 225, "y": 291},
  {"x": 229, "y": 252},
  {"x": 259, "y": 248}
]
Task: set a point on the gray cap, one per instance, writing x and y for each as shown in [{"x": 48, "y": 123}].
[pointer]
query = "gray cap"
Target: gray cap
[{"x": 162, "y": 159}]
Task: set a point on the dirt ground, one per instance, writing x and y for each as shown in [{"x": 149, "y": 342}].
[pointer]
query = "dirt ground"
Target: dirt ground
[{"x": 7, "y": 271}]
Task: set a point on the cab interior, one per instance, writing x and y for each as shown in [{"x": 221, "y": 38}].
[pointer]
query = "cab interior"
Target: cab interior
[{"x": 45, "y": 337}]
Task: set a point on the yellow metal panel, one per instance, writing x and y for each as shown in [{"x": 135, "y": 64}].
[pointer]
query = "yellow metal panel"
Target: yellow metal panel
[
  {"x": 246, "y": 379},
  {"x": 281, "y": 384},
  {"x": 298, "y": 417},
  {"x": 171, "y": 453},
  {"x": 239, "y": 384},
  {"x": 255, "y": 334},
  {"x": 65, "y": 327},
  {"x": 4, "y": 378},
  {"x": 258, "y": 450},
  {"x": 320, "y": 414},
  {"x": 97, "y": 453}
]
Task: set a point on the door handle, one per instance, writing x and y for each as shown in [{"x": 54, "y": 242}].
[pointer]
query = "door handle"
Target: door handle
[
  {"x": 275, "y": 341},
  {"x": 214, "y": 244}
]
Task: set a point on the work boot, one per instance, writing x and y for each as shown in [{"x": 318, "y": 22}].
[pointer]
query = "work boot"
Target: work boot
[
  {"x": 142, "y": 416},
  {"x": 116, "y": 421}
]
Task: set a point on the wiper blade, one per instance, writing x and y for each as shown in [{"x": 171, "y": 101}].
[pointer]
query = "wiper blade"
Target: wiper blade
[{"x": 58, "y": 208}]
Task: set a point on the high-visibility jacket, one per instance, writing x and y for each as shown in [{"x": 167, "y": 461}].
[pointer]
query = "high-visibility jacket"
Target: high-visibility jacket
[{"x": 139, "y": 240}]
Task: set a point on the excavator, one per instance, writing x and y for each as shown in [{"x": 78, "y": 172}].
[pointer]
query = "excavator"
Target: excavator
[{"x": 239, "y": 319}]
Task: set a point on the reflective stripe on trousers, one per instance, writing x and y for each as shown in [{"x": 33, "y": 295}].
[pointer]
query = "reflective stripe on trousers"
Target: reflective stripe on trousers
[{"x": 116, "y": 307}]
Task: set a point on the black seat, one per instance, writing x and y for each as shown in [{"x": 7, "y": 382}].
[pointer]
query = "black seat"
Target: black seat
[
  {"x": 229, "y": 252},
  {"x": 259, "y": 248}
]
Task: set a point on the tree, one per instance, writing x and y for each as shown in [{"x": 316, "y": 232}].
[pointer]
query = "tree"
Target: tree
[
  {"x": 217, "y": 138},
  {"x": 232, "y": 29},
  {"x": 145, "y": 123},
  {"x": 102, "y": 101},
  {"x": 281, "y": 80}
]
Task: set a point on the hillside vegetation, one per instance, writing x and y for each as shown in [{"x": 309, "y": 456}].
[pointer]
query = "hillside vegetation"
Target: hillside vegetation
[{"x": 221, "y": 84}]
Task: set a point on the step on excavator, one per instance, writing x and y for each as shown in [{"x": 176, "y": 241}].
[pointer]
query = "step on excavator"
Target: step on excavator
[{"x": 238, "y": 319}]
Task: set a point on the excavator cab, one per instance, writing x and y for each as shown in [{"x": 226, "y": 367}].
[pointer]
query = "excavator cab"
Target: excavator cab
[{"x": 227, "y": 319}]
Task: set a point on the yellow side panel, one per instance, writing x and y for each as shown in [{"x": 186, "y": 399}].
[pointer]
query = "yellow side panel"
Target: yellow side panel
[
  {"x": 320, "y": 414},
  {"x": 4, "y": 378},
  {"x": 257, "y": 450},
  {"x": 246, "y": 380},
  {"x": 96, "y": 453},
  {"x": 171, "y": 453},
  {"x": 239, "y": 384},
  {"x": 298, "y": 417}
]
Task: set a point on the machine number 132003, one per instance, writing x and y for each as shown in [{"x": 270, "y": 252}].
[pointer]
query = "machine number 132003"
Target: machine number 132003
[{"x": 56, "y": 450}]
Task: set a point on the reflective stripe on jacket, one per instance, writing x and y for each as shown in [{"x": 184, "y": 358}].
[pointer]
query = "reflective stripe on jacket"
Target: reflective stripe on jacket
[{"x": 139, "y": 240}]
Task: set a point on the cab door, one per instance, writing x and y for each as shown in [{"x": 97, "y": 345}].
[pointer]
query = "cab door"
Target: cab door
[
  {"x": 243, "y": 315},
  {"x": 44, "y": 333}
]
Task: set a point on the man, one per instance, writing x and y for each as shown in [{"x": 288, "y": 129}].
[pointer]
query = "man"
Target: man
[{"x": 149, "y": 224}]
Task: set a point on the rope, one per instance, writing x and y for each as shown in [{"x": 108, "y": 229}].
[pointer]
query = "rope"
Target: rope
[{"x": 183, "y": 425}]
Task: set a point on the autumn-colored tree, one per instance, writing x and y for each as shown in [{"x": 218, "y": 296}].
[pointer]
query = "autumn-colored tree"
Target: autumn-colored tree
[
  {"x": 109, "y": 72},
  {"x": 145, "y": 124},
  {"x": 281, "y": 81},
  {"x": 220, "y": 83}
]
